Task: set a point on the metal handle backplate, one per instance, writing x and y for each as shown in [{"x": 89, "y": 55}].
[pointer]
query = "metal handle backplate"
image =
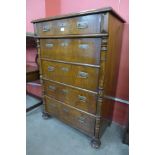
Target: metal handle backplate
[
  {"x": 82, "y": 74},
  {"x": 64, "y": 44},
  {"x": 49, "y": 45},
  {"x": 65, "y": 91},
  {"x": 83, "y": 46},
  {"x": 51, "y": 87},
  {"x": 65, "y": 110},
  {"x": 65, "y": 69},
  {"x": 82, "y": 98},
  {"x": 50, "y": 68},
  {"x": 81, "y": 119}
]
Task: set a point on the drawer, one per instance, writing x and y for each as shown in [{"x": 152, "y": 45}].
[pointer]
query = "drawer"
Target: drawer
[
  {"x": 86, "y": 50},
  {"x": 88, "y": 24},
  {"x": 71, "y": 116},
  {"x": 79, "y": 76},
  {"x": 52, "y": 107},
  {"x": 74, "y": 97}
]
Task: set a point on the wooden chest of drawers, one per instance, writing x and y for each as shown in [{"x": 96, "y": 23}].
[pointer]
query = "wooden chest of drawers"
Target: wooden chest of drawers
[{"x": 79, "y": 58}]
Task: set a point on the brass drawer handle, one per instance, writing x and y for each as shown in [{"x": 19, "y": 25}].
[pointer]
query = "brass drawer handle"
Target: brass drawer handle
[
  {"x": 65, "y": 110},
  {"x": 49, "y": 45},
  {"x": 50, "y": 68},
  {"x": 45, "y": 28},
  {"x": 82, "y": 74},
  {"x": 64, "y": 44},
  {"x": 82, "y": 25},
  {"x": 51, "y": 87},
  {"x": 83, "y": 46},
  {"x": 81, "y": 119},
  {"x": 65, "y": 91},
  {"x": 82, "y": 98},
  {"x": 65, "y": 69}
]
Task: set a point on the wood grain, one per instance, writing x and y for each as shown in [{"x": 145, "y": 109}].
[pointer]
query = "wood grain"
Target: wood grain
[
  {"x": 77, "y": 98},
  {"x": 85, "y": 50},
  {"x": 115, "y": 29},
  {"x": 79, "y": 63},
  {"x": 70, "y": 74},
  {"x": 82, "y": 13},
  {"x": 76, "y": 25},
  {"x": 73, "y": 117}
]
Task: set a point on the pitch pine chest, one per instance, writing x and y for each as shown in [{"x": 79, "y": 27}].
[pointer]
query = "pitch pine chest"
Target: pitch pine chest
[{"x": 79, "y": 58}]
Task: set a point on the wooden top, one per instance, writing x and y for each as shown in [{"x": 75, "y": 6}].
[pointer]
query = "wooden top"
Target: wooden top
[{"x": 87, "y": 12}]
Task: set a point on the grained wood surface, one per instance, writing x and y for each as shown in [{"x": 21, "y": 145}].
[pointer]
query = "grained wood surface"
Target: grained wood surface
[
  {"x": 79, "y": 63},
  {"x": 70, "y": 74},
  {"x": 77, "y": 98},
  {"x": 82, "y": 13},
  {"x": 115, "y": 28},
  {"x": 73, "y": 117},
  {"x": 76, "y": 25},
  {"x": 85, "y": 50}
]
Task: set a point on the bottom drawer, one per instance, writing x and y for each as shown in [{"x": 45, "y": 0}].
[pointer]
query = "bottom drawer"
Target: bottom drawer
[{"x": 71, "y": 116}]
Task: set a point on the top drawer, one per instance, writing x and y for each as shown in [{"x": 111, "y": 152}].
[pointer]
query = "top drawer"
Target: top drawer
[{"x": 77, "y": 25}]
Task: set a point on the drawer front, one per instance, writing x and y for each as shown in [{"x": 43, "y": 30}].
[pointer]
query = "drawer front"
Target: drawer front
[
  {"x": 74, "y": 97},
  {"x": 52, "y": 107},
  {"x": 71, "y": 116},
  {"x": 88, "y": 24},
  {"x": 80, "y": 76},
  {"x": 72, "y": 50}
]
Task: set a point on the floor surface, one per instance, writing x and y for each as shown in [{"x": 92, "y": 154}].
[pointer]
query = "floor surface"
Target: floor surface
[{"x": 52, "y": 137}]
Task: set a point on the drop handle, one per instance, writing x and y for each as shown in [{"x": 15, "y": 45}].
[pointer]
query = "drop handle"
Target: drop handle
[
  {"x": 65, "y": 110},
  {"x": 65, "y": 69},
  {"x": 64, "y": 91},
  {"x": 81, "y": 119},
  {"x": 49, "y": 45},
  {"x": 84, "y": 46},
  {"x": 64, "y": 44},
  {"x": 82, "y": 74},
  {"x": 82, "y": 98},
  {"x": 51, "y": 88},
  {"x": 50, "y": 68}
]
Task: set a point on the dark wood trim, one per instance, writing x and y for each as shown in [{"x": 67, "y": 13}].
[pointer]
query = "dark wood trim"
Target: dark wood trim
[
  {"x": 72, "y": 63},
  {"x": 74, "y": 127},
  {"x": 93, "y": 11},
  {"x": 74, "y": 36},
  {"x": 95, "y": 116},
  {"x": 74, "y": 87}
]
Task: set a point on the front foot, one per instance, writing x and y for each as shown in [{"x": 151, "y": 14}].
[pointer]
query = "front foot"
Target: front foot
[
  {"x": 45, "y": 115},
  {"x": 95, "y": 143}
]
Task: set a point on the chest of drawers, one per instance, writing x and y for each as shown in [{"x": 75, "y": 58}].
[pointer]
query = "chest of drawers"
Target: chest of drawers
[{"x": 79, "y": 58}]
